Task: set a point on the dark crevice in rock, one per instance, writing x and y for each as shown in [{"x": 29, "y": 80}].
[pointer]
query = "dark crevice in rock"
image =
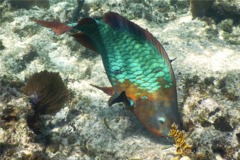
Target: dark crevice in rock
[
  {"x": 219, "y": 150},
  {"x": 213, "y": 112},
  {"x": 1, "y": 45},
  {"x": 6, "y": 147},
  {"x": 222, "y": 124},
  {"x": 222, "y": 85},
  {"x": 238, "y": 137}
]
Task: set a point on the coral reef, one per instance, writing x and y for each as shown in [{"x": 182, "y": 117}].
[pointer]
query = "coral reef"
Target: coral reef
[
  {"x": 206, "y": 69},
  {"x": 182, "y": 148}
]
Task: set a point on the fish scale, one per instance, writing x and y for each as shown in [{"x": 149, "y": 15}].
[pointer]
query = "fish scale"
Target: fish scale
[{"x": 137, "y": 67}]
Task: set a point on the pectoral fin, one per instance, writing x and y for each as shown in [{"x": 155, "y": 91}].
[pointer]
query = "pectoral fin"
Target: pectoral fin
[{"x": 121, "y": 98}]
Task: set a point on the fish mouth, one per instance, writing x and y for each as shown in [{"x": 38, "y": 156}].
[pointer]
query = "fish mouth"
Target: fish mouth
[{"x": 169, "y": 139}]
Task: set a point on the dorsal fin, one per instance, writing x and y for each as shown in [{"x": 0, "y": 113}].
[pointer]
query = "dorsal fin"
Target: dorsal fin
[
  {"x": 85, "y": 40},
  {"x": 118, "y": 22},
  {"x": 57, "y": 27}
]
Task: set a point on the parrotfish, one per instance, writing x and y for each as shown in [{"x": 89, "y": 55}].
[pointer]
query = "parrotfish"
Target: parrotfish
[{"x": 137, "y": 67}]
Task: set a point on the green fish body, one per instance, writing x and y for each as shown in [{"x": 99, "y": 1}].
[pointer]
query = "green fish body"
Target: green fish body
[{"x": 137, "y": 67}]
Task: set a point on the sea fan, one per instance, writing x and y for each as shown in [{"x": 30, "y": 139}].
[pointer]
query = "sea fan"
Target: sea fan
[{"x": 47, "y": 92}]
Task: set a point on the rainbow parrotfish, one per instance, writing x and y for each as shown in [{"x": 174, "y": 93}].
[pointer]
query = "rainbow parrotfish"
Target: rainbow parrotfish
[{"x": 137, "y": 67}]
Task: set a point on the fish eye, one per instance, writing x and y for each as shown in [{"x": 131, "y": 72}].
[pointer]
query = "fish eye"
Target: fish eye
[{"x": 161, "y": 120}]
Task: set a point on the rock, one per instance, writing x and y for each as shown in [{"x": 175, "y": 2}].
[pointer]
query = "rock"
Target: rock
[
  {"x": 157, "y": 11},
  {"x": 27, "y": 4},
  {"x": 227, "y": 8},
  {"x": 218, "y": 9},
  {"x": 229, "y": 32},
  {"x": 185, "y": 158}
]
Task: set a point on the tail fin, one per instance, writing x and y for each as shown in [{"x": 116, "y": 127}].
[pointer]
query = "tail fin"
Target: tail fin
[{"x": 57, "y": 27}]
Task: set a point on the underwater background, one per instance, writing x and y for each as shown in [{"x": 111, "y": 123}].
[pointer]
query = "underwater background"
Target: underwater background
[{"x": 49, "y": 110}]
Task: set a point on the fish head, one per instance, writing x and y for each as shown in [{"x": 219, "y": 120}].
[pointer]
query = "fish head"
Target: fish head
[
  {"x": 163, "y": 119},
  {"x": 157, "y": 117}
]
